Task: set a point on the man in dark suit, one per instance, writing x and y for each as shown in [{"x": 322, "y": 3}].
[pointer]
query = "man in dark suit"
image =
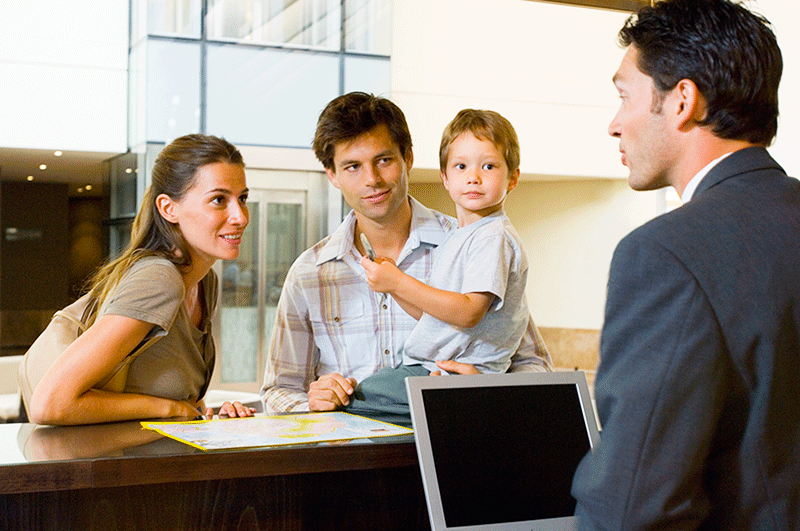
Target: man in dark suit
[{"x": 698, "y": 388}]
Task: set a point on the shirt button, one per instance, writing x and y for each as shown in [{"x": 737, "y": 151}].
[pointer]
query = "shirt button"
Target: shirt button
[
  {"x": 386, "y": 351},
  {"x": 336, "y": 319},
  {"x": 384, "y": 306}
]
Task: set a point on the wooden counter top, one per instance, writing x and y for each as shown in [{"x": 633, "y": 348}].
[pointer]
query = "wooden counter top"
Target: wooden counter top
[
  {"x": 123, "y": 454},
  {"x": 84, "y": 477}
]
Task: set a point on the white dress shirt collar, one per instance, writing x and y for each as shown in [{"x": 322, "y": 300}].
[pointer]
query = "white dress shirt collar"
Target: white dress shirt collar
[{"x": 691, "y": 188}]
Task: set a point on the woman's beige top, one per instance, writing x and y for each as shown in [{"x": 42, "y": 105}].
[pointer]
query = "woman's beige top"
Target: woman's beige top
[{"x": 179, "y": 365}]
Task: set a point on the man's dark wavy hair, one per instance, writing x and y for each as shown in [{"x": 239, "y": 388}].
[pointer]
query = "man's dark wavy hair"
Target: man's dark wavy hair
[
  {"x": 350, "y": 116},
  {"x": 730, "y": 53}
]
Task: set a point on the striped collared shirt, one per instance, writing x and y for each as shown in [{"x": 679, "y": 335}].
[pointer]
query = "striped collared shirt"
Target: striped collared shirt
[{"x": 328, "y": 320}]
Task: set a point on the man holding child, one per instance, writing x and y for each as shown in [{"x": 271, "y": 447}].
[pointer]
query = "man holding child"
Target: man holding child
[
  {"x": 473, "y": 307},
  {"x": 332, "y": 330}
]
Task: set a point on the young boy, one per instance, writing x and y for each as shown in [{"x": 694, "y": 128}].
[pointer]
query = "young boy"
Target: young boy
[{"x": 473, "y": 310}]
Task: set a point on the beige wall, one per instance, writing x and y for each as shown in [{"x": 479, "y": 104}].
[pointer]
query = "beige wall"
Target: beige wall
[
  {"x": 548, "y": 69},
  {"x": 785, "y": 18},
  {"x": 569, "y": 230}
]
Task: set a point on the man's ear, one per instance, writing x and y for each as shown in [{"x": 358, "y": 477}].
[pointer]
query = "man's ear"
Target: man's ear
[
  {"x": 167, "y": 208},
  {"x": 409, "y": 159},
  {"x": 513, "y": 180},
  {"x": 690, "y": 105},
  {"x": 332, "y": 177}
]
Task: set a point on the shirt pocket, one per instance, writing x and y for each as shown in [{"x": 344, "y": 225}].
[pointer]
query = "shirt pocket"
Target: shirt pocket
[
  {"x": 340, "y": 313},
  {"x": 345, "y": 335}
]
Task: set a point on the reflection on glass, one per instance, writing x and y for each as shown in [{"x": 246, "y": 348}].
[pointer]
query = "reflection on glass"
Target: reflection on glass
[
  {"x": 123, "y": 185},
  {"x": 119, "y": 237},
  {"x": 279, "y": 92},
  {"x": 174, "y": 17},
  {"x": 251, "y": 286},
  {"x": 285, "y": 242},
  {"x": 123, "y": 201},
  {"x": 239, "y": 312},
  {"x": 314, "y": 23},
  {"x": 61, "y": 443},
  {"x": 368, "y": 26},
  {"x": 285, "y": 229}
]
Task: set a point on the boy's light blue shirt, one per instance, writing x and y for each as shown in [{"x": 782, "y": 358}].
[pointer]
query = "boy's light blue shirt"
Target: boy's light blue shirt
[{"x": 485, "y": 256}]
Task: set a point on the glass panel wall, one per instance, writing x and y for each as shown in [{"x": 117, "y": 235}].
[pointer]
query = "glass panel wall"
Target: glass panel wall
[
  {"x": 174, "y": 17},
  {"x": 251, "y": 285},
  {"x": 285, "y": 242},
  {"x": 239, "y": 330},
  {"x": 266, "y": 96},
  {"x": 257, "y": 72},
  {"x": 123, "y": 173},
  {"x": 123, "y": 184},
  {"x": 173, "y": 89},
  {"x": 368, "y": 26},
  {"x": 137, "y": 90},
  {"x": 367, "y": 74},
  {"x": 308, "y": 23}
]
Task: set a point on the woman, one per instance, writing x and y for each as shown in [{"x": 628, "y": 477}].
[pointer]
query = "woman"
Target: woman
[{"x": 193, "y": 214}]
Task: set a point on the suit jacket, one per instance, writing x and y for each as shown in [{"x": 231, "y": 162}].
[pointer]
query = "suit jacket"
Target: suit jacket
[{"x": 698, "y": 387}]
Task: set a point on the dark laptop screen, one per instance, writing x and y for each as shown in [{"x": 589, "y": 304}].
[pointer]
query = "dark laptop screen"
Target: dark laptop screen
[{"x": 488, "y": 445}]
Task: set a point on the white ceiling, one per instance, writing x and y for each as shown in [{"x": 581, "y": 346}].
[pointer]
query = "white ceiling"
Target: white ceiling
[{"x": 77, "y": 168}]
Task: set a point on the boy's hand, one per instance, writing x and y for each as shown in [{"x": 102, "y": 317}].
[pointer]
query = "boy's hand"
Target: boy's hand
[
  {"x": 455, "y": 367},
  {"x": 382, "y": 275}
]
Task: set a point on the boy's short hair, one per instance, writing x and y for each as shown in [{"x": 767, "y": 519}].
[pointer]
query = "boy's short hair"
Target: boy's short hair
[
  {"x": 485, "y": 125},
  {"x": 354, "y": 114}
]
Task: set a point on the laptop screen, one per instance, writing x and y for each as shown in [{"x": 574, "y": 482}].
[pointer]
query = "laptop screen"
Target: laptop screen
[{"x": 501, "y": 450}]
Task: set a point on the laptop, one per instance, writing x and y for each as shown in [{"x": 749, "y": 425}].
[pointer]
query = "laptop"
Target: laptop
[{"x": 498, "y": 452}]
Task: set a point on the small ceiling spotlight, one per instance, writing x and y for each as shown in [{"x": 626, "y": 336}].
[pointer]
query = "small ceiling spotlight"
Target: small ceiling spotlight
[
  {"x": 88, "y": 187},
  {"x": 29, "y": 177},
  {"x": 80, "y": 190},
  {"x": 42, "y": 166},
  {"x": 128, "y": 170},
  {"x": 58, "y": 153}
]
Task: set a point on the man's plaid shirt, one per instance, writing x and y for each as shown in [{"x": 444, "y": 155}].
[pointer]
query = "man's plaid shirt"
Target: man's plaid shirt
[{"x": 329, "y": 320}]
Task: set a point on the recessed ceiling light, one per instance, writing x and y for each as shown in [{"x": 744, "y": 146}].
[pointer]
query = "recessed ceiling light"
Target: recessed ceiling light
[
  {"x": 128, "y": 170},
  {"x": 88, "y": 187},
  {"x": 57, "y": 153},
  {"x": 42, "y": 166},
  {"x": 80, "y": 190},
  {"x": 30, "y": 177}
]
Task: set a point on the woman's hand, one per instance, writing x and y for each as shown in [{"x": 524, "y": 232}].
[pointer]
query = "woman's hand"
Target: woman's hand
[
  {"x": 185, "y": 409},
  {"x": 226, "y": 410},
  {"x": 233, "y": 410}
]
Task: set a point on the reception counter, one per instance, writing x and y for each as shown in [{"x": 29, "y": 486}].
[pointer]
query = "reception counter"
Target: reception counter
[{"x": 121, "y": 477}]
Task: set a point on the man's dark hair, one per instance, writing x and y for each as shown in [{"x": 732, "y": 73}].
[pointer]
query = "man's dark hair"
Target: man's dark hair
[
  {"x": 354, "y": 114},
  {"x": 730, "y": 53}
]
